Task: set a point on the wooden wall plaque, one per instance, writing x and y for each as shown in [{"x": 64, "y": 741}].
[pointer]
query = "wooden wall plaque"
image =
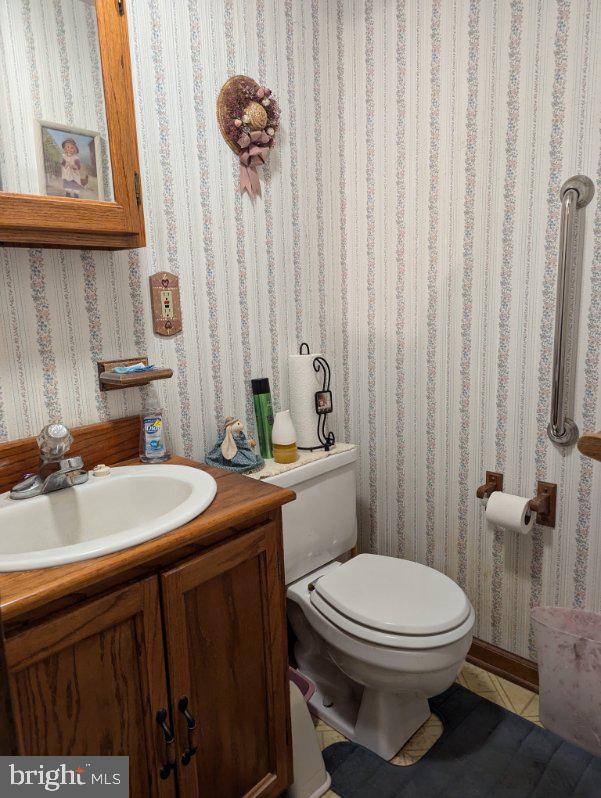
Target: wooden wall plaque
[{"x": 166, "y": 306}]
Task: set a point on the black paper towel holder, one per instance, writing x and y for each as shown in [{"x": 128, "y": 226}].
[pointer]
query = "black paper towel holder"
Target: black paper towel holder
[{"x": 323, "y": 402}]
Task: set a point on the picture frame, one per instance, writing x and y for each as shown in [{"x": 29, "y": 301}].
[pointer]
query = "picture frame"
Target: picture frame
[
  {"x": 323, "y": 402},
  {"x": 81, "y": 176}
]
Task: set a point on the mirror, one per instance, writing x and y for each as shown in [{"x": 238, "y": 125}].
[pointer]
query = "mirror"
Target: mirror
[{"x": 53, "y": 122}]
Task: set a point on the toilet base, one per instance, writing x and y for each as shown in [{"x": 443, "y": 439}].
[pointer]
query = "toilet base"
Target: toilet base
[
  {"x": 382, "y": 722},
  {"x": 386, "y": 721}
]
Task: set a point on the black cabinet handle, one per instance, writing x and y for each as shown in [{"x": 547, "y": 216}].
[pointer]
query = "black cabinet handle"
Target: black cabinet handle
[
  {"x": 187, "y": 755},
  {"x": 183, "y": 708},
  {"x": 161, "y": 719},
  {"x": 191, "y": 724}
]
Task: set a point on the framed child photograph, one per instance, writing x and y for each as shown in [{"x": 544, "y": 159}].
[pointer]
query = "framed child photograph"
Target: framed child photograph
[
  {"x": 323, "y": 402},
  {"x": 69, "y": 161}
]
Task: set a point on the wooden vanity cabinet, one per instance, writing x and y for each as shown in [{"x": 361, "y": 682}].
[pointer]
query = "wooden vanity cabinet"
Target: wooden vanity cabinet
[
  {"x": 224, "y": 624},
  {"x": 204, "y": 640}
]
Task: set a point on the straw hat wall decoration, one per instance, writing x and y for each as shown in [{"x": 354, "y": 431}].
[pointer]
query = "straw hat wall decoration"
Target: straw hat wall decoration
[{"x": 248, "y": 118}]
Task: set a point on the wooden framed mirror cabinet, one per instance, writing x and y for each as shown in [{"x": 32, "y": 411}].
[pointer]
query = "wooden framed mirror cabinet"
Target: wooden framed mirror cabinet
[{"x": 69, "y": 171}]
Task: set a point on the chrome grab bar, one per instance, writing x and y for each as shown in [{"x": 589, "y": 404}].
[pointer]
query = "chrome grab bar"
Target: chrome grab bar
[{"x": 575, "y": 193}]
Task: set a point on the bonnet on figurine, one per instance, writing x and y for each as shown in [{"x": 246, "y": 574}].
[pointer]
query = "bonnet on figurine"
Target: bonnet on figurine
[{"x": 233, "y": 451}]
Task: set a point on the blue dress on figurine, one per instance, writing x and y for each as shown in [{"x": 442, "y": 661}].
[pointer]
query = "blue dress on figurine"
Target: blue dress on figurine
[{"x": 233, "y": 451}]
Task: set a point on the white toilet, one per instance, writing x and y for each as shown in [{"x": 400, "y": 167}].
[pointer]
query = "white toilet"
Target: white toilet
[{"x": 378, "y": 635}]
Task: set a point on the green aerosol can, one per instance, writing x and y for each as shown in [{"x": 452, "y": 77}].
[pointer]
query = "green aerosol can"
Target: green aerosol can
[{"x": 264, "y": 414}]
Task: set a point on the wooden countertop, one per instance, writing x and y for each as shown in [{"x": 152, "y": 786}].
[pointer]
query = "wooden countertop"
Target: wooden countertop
[{"x": 239, "y": 502}]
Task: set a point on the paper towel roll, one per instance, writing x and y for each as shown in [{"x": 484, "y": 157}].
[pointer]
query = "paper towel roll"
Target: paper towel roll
[
  {"x": 304, "y": 384},
  {"x": 511, "y": 513}
]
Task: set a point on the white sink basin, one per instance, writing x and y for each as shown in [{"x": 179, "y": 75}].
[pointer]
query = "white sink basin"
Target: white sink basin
[{"x": 131, "y": 505}]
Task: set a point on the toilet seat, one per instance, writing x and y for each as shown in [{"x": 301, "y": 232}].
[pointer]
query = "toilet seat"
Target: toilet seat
[{"x": 391, "y": 602}]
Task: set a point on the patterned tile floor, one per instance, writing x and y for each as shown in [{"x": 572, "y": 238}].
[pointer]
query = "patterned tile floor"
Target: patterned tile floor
[{"x": 494, "y": 688}]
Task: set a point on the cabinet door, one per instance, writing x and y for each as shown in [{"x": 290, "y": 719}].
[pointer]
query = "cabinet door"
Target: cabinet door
[
  {"x": 91, "y": 680},
  {"x": 226, "y": 645}
]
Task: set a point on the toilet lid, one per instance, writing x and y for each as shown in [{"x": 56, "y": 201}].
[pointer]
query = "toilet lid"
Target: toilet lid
[{"x": 392, "y": 595}]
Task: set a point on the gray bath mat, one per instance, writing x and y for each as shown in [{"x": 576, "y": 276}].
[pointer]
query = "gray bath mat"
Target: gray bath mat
[{"x": 484, "y": 751}]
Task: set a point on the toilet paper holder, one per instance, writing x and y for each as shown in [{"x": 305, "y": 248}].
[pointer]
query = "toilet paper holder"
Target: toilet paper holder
[
  {"x": 494, "y": 481},
  {"x": 544, "y": 503}
]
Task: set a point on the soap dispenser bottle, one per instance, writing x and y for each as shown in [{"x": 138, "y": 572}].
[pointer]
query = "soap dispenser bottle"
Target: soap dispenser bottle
[
  {"x": 154, "y": 445},
  {"x": 283, "y": 438}
]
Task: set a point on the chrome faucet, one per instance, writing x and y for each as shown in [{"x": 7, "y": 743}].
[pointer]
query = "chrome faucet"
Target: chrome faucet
[{"x": 56, "y": 471}]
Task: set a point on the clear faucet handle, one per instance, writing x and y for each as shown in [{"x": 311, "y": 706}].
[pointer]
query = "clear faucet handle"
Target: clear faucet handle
[{"x": 54, "y": 440}]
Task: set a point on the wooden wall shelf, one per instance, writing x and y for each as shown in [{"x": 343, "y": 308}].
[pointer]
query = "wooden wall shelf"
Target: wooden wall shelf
[
  {"x": 590, "y": 445},
  {"x": 112, "y": 381}
]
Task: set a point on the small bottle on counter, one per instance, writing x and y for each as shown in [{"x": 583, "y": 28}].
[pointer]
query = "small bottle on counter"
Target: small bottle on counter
[
  {"x": 154, "y": 446},
  {"x": 283, "y": 438},
  {"x": 264, "y": 414}
]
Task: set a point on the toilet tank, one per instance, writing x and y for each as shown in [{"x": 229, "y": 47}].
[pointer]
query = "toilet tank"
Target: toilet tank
[{"x": 321, "y": 524}]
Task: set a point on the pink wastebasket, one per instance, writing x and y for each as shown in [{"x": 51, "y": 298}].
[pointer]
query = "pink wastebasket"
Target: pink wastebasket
[
  {"x": 305, "y": 685},
  {"x": 311, "y": 779},
  {"x": 569, "y": 663}
]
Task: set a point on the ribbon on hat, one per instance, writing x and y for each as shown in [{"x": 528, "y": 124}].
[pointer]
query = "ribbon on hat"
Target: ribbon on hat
[{"x": 255, "y": 151}]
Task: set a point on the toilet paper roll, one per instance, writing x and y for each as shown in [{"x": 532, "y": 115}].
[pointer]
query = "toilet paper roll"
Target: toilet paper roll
[
  {"x": 510, "y": 513},
  {"x": 304, "y": 384}
]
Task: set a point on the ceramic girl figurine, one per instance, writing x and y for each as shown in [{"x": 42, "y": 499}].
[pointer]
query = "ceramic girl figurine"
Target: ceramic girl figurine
[
  {"x": 71, "y": 169},
  {"x": 233, "y": 451}
]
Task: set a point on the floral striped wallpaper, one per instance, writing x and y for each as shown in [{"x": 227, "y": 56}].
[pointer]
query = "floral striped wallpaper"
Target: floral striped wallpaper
[
  {"x": 408, "y": 228},
  {"x": 458, "y": 123}
]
